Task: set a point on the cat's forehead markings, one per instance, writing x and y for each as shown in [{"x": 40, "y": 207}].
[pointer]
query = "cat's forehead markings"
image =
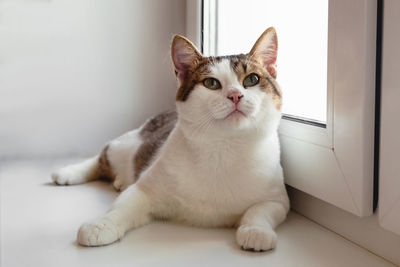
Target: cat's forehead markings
[
  {"x": 224, "y": 72},
  {"x": 222, "y": 67},
  {"x": 228, "y": 69}
]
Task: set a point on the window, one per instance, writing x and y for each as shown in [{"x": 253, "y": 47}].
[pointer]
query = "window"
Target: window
[
  {"x": 327, "y": 150},
  {"x": 389, "y": 182},
  {"x": 303, "y": 46}
]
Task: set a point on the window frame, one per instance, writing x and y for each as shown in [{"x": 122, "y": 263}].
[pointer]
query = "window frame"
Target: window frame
[
  {"x": 335, "y": 163},
  {"x": 389, "y": 169}
]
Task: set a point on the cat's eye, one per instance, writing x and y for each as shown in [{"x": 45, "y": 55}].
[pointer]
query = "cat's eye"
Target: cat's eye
[
  {"x": 212, "y": 83},
  {"x": 251, "y": 80}
]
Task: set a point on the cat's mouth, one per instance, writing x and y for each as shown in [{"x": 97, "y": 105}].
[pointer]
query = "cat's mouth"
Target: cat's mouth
[{"x": 236, "y": 113}]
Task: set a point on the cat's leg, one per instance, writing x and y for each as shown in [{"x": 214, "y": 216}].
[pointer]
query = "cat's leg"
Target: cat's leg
[
  {"x": 256, "y": 228},
  {"x": 80, "y": 173},
  {"x": 120, "y": 155},
  {"x": 132, "y": 209},
  {"x": 114, "y": 162}
]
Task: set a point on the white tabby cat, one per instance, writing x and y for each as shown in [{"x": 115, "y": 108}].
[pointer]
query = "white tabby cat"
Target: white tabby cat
[{"x": 214, "y": 162}]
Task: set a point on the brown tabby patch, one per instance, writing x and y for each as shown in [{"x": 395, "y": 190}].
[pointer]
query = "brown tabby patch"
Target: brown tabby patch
[
  {"x": 153, "y": 133},
  {"x": 193, "y": 77},
  {"x": 242, "y": 65},
  {"x": 104, "y": 166}
]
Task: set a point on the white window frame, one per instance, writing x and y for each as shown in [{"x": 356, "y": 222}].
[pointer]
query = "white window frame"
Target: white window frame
[
  {"x": 333, "y": 163},
  {"x": 389, "y": 169}
]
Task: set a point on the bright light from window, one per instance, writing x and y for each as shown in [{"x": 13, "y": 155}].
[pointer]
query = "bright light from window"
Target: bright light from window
[{"x": 302, "y": 28}]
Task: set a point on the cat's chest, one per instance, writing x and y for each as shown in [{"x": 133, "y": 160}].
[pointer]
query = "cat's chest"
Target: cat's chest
[
  {"x": 238, "y": 181},
  {"x": 221, "y": 164},
  {"x": 216, "y": 184},
  {"x": 222, "y": 187},
  {"x": 219, "y": 201}
]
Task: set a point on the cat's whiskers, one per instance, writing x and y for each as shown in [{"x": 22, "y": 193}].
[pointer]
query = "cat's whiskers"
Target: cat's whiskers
[
  {"x": 208, "y": 125},
  {"x": 202, "y": 125}
]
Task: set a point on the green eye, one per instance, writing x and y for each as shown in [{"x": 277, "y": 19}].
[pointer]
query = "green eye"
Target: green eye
[
  {"x": 211, "y": 83},
  {"x": 251, "y": 80}
]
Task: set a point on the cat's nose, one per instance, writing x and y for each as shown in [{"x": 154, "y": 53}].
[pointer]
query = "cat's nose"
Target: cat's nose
[{"x": 235, "y": 96}]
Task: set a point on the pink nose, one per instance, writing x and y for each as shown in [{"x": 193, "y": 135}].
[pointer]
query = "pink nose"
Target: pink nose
[{"x": 235, "y": 96}]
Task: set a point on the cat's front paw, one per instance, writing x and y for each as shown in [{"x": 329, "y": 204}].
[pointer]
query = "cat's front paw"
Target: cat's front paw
[
  {"x": 256, "y": 238},
  {"x": 98, "y": 233}
]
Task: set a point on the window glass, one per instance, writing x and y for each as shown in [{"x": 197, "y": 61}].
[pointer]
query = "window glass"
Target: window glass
[{"x": 302, "y": 28}]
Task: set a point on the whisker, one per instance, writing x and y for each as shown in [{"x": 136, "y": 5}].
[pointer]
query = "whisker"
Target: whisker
[{"x": 202, "y": 125}]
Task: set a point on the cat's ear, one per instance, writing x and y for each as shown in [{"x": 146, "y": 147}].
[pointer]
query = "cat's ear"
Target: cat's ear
[
  {"x": 184, "y": 56},
  {"x": 265, "y": 50}
]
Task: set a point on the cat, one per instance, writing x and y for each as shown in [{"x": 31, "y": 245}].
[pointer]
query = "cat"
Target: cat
[{"x": 212, "y": 162}]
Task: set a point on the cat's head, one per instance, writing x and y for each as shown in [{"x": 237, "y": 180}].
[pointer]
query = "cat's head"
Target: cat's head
[{"x": 226, "y": 95}]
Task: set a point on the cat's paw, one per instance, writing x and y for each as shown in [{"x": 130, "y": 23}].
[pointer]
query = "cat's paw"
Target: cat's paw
[
  {"x": 99, "y": 233},
  {"x": 256, "y": 238},
  {"x": 120, "y": 183},
  {"x": 64, "y": 176}
]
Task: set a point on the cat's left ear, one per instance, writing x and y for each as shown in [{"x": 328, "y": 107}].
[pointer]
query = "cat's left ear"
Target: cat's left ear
[
  {"x": 265, "y": 50},
  {"x": 185, "y": 56}
]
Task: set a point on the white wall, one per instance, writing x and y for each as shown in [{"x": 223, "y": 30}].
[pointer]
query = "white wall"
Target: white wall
[{"x": 76, "y": 73}]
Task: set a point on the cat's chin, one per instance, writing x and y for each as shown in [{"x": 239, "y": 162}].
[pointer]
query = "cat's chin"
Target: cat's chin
[
  {"x": 236, "y": 114},
  {"x": 236, "y": 119}
]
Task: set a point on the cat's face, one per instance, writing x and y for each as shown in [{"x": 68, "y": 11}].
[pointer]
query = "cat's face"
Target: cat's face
[{"x": 219, "y": 96}]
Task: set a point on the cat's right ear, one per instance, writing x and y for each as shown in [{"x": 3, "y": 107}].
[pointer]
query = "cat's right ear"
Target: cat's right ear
[
  {"x": 184, "y": 56},
  {"x": 266, "y": 49}
]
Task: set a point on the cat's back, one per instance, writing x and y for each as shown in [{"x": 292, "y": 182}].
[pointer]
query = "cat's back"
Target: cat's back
[
  {"x": 153, "y": 134},
  {"x": 131, "y": 154}
]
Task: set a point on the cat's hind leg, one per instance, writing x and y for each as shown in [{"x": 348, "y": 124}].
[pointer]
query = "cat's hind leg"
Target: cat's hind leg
[
  {"x": 79, "y": 173},
  {"x": 114, "y": 162},
  {"x": 120, "y": 157}
]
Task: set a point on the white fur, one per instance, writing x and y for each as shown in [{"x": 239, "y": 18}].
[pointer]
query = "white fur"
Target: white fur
[
  {"x": 213, "y": 170},
  {"x": 121, "y": 152},
  {"x": 77, "y": 173},
  {"x": 130, "y": 210}
]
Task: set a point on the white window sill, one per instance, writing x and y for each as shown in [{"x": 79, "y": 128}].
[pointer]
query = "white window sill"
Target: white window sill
[{"x": 39, "y": 223}]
